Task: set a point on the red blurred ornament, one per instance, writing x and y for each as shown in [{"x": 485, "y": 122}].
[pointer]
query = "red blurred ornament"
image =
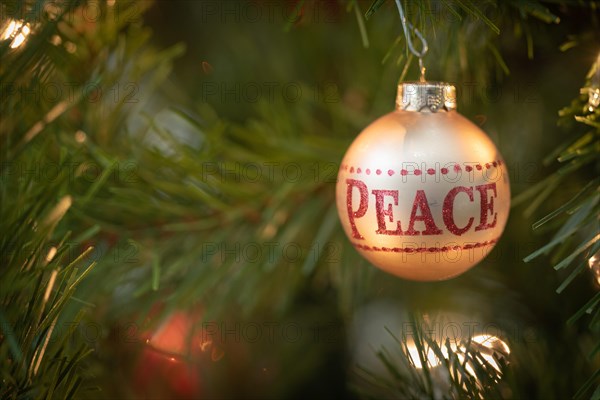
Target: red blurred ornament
[{"x": 172, "y": 361}]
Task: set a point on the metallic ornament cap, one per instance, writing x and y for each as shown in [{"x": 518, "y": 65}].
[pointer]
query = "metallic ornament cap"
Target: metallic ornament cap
[{"x": 426, "y": 97}]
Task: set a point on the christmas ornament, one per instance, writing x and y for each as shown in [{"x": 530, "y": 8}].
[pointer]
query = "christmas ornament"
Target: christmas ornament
[
  {"x": 437, "y": 341},
  {"x": 175, "y": 358},
  {"x": 164, "y": 367},
  {"x": 422, "y": 192}
]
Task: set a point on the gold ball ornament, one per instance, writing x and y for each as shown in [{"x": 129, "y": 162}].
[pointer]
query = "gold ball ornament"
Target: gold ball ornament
[{"x": 422, "y": 192}]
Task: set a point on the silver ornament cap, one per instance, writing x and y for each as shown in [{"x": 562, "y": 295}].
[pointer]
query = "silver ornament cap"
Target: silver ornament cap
[{"x": 426, "y": 97}]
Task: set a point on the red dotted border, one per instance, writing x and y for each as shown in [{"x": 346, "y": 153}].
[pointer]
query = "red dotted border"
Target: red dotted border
[
  {"x": 424, "y": 249},
  {"x": 429, "y": 171}
]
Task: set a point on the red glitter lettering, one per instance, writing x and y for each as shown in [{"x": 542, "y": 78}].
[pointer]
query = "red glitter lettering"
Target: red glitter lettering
[
  {"x": 487, "y": 206},
  {"x": 362, "y": 207},
  {"x": 425, "y": 217},
  {"x": 448, "y": 210},
  {"x": 387, "y": 212}
]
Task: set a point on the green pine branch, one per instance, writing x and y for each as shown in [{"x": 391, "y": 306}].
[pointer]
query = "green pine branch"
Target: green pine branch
[{"x": 578, "y": 217}]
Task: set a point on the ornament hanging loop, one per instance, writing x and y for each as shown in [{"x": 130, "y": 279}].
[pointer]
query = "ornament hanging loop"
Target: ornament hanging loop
[{"x": 407, "y": 27}]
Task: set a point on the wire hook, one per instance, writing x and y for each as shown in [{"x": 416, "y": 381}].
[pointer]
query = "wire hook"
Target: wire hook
[{"x": 406, "y": 26}]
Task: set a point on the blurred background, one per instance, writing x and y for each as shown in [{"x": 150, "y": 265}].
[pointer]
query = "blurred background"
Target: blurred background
[{"x": 169, "y": 227}]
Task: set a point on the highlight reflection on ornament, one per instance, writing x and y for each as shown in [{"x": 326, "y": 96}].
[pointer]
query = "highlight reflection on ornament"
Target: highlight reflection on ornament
[
  {"x": 422, "y": 192},
  {"x": 491, "y": 349},
  {"x": 17, "y": 30},
  {"x": 594, "y": 265},
  {"x": 413, "y": 356}
]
